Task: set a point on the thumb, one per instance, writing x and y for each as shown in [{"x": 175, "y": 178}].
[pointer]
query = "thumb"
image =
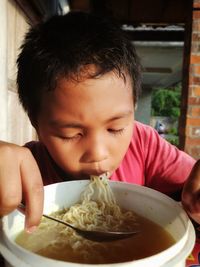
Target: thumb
[
  {"x": 193, "y": 182},
  {"x": 191, "y": 190}
]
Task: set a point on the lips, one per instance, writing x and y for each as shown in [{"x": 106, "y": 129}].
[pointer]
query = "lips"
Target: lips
[{"x": 96, "y": 173}]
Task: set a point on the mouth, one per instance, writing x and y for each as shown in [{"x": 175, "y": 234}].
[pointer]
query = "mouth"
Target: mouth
[{"x": 87, "y": 175}]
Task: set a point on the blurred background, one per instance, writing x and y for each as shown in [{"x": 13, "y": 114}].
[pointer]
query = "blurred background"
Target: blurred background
[{"x": 166, "y": 34}]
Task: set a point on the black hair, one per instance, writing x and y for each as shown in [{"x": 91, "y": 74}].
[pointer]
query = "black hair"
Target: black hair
[{"x": 63, "y": 46}]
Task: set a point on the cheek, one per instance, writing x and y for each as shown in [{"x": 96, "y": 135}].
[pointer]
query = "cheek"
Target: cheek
[
  {"x": 124, "y": 142},
  {"x": 128, "y": 137},
  {"x": 62, "y": 155},
  {"x": 54, "y": 145}
]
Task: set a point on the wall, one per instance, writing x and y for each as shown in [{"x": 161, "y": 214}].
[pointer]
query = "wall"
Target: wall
[
  {"x": 16, "y": 126},
  {"x": 190, "y": 131},
  {"x": 143, "y": 110}
]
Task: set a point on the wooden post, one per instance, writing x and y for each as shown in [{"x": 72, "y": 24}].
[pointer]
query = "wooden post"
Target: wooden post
[{"x": 189, "y": 124}]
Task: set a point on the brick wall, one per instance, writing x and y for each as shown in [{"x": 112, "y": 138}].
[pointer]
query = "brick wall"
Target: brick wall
[{"x": 190, "y": 119}]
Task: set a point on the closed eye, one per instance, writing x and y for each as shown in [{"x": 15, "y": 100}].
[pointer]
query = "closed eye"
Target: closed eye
[
  {"x": 116, "y": 131},
  {"x": 71, "y": 138}
]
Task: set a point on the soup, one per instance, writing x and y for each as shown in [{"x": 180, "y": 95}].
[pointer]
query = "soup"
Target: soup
[
  {"x": 151, "y": 240},
  {"x": 97, "y": 210}
]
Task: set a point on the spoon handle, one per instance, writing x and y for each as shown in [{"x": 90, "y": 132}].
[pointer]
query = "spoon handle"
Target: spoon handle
[
  {"x": 98, "y": 236},
  {"x": 59, "y": 221},
  {"x": 21, "y": 207}
]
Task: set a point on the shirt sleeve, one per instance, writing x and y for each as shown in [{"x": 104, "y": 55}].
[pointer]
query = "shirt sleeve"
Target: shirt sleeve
[{"x": 166, "y": 167}]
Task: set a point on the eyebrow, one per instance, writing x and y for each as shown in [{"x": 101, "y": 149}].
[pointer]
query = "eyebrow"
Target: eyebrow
[
  {"x": 120, "y": 116},
  {"x": 62, "y": 124}
]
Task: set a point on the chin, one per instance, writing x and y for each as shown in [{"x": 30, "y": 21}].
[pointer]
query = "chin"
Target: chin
[{"x": 82, "y": 177}]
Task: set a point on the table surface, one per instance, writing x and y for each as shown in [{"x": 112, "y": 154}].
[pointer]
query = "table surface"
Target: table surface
[{"x": 192, "y": 261}]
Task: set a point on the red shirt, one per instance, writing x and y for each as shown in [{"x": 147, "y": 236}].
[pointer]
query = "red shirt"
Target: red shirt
[{"x": 150, "y": 160}]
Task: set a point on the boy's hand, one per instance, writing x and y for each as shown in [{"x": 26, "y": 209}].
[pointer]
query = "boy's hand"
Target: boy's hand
[
  {"x": 191, "y": 193},
  {"x": 20, "y": 178}
]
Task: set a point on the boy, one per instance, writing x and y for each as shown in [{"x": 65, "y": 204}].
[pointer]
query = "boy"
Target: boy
[{"x": 78, "y": 80}]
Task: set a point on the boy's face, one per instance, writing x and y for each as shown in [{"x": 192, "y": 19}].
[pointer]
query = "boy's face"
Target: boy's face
[{"x": 87, "y": 126}]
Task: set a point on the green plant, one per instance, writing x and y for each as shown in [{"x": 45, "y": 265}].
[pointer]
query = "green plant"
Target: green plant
[
  {"x": 174, "y": 140},
  {"x": 166, "y": 102},
  {"x": 173, "y": 131}
]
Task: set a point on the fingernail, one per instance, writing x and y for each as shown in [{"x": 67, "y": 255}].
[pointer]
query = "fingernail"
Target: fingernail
[{"x": 31, "y": 229}]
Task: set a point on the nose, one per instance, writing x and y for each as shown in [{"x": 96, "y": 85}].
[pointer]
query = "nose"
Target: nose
[{"x": 95, "y": 150}]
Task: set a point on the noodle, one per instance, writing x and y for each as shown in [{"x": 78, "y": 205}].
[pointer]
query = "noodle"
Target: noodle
[{"x": 98, "y": 209}]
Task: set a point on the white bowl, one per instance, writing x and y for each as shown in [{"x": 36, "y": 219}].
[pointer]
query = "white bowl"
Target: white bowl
[{"x": 144, "y": 201}]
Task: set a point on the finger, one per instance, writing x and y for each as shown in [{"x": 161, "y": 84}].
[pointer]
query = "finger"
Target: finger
[
  {"x": 195, "y": 217},
  {"x": 193, "y": 182},
  {"x": 192, "y": 205},
  {"x": 32, "y": 191},
  {"x": 10, "y": 183},
  {"x": 191, "y": 190}
]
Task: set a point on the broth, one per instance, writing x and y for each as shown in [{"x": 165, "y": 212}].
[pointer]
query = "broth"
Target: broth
[{"x": 151, "y": 240}]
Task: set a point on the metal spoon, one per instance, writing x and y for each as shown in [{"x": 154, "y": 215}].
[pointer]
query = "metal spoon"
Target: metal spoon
[{"x": 98, "y": 236}]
